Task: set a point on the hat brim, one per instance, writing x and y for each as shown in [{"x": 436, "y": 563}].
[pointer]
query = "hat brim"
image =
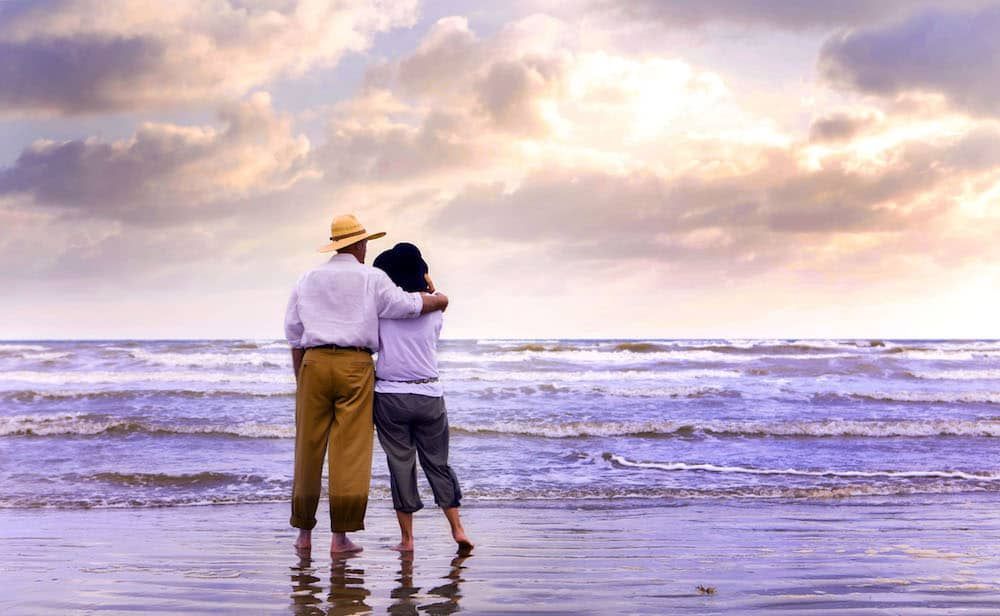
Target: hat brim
[{"x": 344, "y": 243}]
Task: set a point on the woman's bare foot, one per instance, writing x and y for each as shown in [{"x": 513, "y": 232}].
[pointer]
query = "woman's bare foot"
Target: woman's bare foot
[
  {"x": 405, "y": 532},
  {"x": 465, "y": 544},
  {"x": 342, "y": 545},
  {"x": 304, "y": 541}
]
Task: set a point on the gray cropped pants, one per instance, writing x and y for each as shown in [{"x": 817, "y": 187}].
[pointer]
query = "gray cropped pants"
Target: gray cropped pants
[{"x": 412, "y": 426}]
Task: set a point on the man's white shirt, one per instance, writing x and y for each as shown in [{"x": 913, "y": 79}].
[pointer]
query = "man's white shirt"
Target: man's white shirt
[{"x": 341, "y": 301}]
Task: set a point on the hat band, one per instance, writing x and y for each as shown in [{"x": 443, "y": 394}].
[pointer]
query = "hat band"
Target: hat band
[{"x": 337, "y": 238}]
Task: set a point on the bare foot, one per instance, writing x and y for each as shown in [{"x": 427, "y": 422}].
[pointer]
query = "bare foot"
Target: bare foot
[
  {"x": 404, "y": 546},
  {"x": 457, "y": 530},
  {"x": 465, "y": 544},
  {"x": 304, "y": 541},
  {"x": 342, "y": 545}
]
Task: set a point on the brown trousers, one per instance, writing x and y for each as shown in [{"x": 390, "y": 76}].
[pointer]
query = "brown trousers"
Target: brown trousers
[{"x": 333, "y": 406}]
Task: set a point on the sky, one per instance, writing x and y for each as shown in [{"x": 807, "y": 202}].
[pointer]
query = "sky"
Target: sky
[{"x": 589, "y": 169}]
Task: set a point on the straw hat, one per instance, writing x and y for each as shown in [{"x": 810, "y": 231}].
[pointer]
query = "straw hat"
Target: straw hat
[{"x": 346, "y": 230}]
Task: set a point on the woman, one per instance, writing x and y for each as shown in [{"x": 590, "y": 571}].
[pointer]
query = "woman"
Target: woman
[{"x": 409, "y": 403}]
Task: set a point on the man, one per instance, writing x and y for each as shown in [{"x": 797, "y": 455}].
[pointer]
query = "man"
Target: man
[{"x": 332, "y": 325}]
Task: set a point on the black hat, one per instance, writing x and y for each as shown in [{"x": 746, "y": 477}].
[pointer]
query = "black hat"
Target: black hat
[{"x": 405, "y": 266}]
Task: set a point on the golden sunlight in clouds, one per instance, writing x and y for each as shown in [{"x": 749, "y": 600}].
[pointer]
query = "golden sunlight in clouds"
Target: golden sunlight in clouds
[{"x": 617, "y": 178}]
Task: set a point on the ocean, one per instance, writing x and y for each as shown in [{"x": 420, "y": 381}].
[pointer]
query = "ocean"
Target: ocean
[{"x": 146, "y": 424}]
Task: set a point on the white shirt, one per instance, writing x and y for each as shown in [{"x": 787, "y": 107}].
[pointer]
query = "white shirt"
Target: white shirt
[
  {"x": 408, "y": 352},
  {"x": 341, "y": 301}
]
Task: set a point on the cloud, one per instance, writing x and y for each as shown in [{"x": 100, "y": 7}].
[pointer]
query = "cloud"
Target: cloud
[
  {"x": 730, "y": 222},
  {"x": 91, "y": 56},
  {"x": 165, "y": 172},
  {"x": 507, "y": 79},
  {"x": 789, "y": 14},
  {"x": 526, "y": 94},
  {"x": 841, "y": 126},
  {"x": 378, "y": 139},
  {"x": 954, "y": 54}
]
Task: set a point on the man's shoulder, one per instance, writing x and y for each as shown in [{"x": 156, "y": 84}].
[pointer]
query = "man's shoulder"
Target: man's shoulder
[{"x": 378, "y": 275}]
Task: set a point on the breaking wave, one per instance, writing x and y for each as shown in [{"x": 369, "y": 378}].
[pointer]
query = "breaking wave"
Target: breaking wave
[
  {"x": 667, "y": 428},
  {"x": 745, "y": 470},
  {"x": 192, "y": 480},
  {"x": 18, "y": 348},
  {"x": 117, "y": 377},
  {"x": 942, "y": 397},
  {"x": 987, "y": 374},
  {"x": 213, "y": 360},
  {"x": 556, "y": 376},
  {"x": 30, "y": 395},
  {"x": 75, "y": 424},
  {"x": 277, "y": 492}
]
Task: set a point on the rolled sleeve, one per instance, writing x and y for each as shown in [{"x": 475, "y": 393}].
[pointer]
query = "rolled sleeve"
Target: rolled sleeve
[
  {"x": 393, "y": 302},
  {"x": 293, "y": 323}
]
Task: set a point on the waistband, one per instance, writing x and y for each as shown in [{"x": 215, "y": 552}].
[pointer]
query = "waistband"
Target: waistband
[
  {"x": 335, "y": 347},
  {"x": 433, "y": 379}
]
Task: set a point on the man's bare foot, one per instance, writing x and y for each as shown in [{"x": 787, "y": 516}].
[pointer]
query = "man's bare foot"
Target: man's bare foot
[
  {"x": 404, "y": 546},
  {"x": 342, "y": 545},
  {"x": 304, "y": 541}
]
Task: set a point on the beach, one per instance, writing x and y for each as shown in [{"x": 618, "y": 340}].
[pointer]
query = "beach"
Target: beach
[
  {"x": 630, "y": 557},
  {"x": 599, "y": 476}
]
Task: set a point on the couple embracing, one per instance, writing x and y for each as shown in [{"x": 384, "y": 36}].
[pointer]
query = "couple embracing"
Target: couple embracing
[{"x": 338, "y": 316}]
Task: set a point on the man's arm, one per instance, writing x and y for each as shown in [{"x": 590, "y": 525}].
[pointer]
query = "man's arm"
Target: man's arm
[
  {"x": 297, "y": 355},
  {"x": 438, "y": 301},
  {"x": 395, "y": 303}
]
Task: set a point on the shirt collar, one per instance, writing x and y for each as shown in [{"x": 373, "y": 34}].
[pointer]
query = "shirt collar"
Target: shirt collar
[{"x": 342, "y": 257}]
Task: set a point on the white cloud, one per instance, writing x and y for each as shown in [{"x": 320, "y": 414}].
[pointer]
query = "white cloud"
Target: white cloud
[
  {"x": 91, "y": 56},
  {"x": 165, "y": 173}
]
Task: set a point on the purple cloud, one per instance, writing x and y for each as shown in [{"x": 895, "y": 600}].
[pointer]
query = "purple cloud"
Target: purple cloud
[
  {"x": 789, "y": 14},
  {"x": 956, "y": 55}
]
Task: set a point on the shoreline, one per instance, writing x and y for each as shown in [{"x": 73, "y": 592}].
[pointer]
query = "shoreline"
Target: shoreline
[{"x": 902, "y": 554}]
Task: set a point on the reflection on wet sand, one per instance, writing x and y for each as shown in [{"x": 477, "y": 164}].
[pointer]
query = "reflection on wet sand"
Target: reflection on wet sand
[
  {"x": 407, "y": 598},
  {"x": 305, "y": 586},
  {"x": 347, "y": 586},
  {"x": 403, "y": 595},
  {"x": 449, "y": 591},
  {"x": 349, "y": 595}
]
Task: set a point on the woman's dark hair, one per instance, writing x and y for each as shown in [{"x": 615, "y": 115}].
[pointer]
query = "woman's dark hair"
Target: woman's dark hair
[{"x": 405, "y": 266}]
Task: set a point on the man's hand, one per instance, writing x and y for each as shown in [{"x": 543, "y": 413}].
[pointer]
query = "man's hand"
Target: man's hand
[
  {"x": 438, "y": 301},
  {"x": 297, "y": 355}
]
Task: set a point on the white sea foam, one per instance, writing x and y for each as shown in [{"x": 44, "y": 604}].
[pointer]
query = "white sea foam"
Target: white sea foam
[
  {"x": 957, "y": 354},
  {"x": 44, "y": 355},
  {"x": 81, "y": 424},
  {"x": 279, "y": 493},
  {"x": 14, "y": 348},
  {"x": 681, "y": 391},
  {"x": 274, "y": 345},
  {"x": 63, "y": 393},
  {"x": 829, "y": 428},
  {"x": 943, "y": 397},
  {"x": 90, "y": 424},
  {"x": 175, "y": 376},
  {"x": 612, "y": 357},
  {"x": 556, "y": 376},
  {"x": 987, "y": 374},
  {"x": 745, "y": 470},
  {"x": 213, "y": 360}
]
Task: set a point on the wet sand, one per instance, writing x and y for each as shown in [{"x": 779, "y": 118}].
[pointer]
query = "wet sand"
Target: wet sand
[{"x": 852, "y": 556}]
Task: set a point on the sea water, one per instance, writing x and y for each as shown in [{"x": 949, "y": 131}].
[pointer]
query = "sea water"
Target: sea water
[{"x": 176, "y": 423}]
